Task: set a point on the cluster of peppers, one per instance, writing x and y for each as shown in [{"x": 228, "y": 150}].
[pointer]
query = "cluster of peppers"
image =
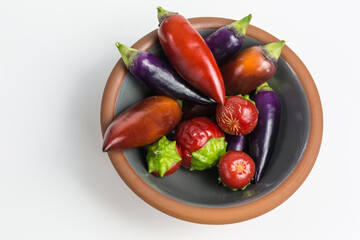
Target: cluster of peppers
[{"x": 192, "y": 89}]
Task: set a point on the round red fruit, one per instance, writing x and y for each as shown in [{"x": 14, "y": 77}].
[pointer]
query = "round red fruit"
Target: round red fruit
[
  {"x": 191, "y": 135},
  {"x": 238, "y": 116},
  {"x": 236, "y": 169}
]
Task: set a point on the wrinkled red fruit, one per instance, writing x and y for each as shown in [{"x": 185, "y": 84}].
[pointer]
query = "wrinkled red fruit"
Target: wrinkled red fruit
[{"x": 191, "y": 135}]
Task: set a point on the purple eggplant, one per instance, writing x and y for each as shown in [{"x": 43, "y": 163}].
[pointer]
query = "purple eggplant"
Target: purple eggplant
[
  {"x": 237, "y": 143},
  {"x": 263, "y": 138},
  {"x": 227, "y": 40},
  {"x": 159, "y": 76}
]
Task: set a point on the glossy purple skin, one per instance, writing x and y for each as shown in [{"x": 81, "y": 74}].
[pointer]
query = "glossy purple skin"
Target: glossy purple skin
[
  {"x": 224, "y": 43},
  {"x": 263, "y": 138},
  {"x": 237, "y": 143},
  {"x": 161, "y": 78}
]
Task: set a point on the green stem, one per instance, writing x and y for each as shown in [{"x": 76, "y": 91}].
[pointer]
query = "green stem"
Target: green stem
[
  {"x": 273, "y": 50},
  {"x": 180, "y": 102},
  {"x": 239, "y": 27},
  {"x": 247, "y": 97},
  {"x": 264, "y": 87},
  {"x": 128, "y": 54},
  {"x": 162, "y": 14}
]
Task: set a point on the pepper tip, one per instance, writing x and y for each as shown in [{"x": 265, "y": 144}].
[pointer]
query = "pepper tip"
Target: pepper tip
[{"x": 105, "y": 148}]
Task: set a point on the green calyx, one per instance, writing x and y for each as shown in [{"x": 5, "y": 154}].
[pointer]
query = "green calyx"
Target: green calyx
[
  {"x": 272, "y": 51},
  {"x": 233, "y": 189},
  {"x": 162, "y": 14},
  {"x": 180, "y": 102},
  {"x": 128, "y": 54},
  {"x": 247, "y": 97},
  {"x": 161, "y": 156},
  {"x": 239, "y": 27},
  {"x": 209, "y": 155},
  {"x": 264, "y": 87}
]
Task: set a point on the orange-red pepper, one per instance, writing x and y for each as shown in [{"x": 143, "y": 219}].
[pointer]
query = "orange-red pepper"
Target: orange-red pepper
[
  {"x": 143, "y": 123},
  {"x": 251, "y": 68}
]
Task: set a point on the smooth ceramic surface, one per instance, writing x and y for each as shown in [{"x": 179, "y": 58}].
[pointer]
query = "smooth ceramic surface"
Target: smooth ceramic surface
[{"x": 195, "y": 196}]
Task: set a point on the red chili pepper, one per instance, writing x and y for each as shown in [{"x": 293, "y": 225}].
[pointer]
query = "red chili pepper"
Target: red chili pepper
[
  {"x": 143, "y": 123},
  {"x": 192, "y": 135},
  {"x": 251, "y": 68},
  {"x": 189, "y": 54}
]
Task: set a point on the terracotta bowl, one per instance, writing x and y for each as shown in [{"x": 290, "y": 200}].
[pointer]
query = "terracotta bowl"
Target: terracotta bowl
[{"x": 195, "y": 196}]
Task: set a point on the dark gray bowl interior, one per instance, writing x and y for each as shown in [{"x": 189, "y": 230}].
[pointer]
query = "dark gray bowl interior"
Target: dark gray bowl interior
[{"x": 201, "y": 188}]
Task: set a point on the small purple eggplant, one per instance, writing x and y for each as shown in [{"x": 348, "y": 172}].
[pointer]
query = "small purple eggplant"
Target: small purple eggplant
[
  {"x": 227, "y": 41},
  {"x": 159, "y": 76},
  {"x": 237, "y": 143},
  {"x": 263, "y": 138}
]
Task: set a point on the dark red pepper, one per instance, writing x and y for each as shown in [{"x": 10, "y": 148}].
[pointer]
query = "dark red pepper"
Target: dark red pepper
[
  {"x": 143, "y": 123},
  {"x": 189, "y": 54},
  {"x": 201, "y": 143},
  {"x": 251, "y": 68}
]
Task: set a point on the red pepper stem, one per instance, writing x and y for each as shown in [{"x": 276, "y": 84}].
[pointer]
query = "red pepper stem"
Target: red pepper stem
[{"x": 162, "y": 14}]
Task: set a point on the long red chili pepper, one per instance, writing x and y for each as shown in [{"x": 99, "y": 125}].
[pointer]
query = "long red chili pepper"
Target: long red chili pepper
[
  {"x": 189, "y": 54},
  {"x": 143, "y": 123}
]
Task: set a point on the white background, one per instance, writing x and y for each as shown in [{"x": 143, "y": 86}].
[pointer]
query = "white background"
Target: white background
[{"x": 55, "y": 57}]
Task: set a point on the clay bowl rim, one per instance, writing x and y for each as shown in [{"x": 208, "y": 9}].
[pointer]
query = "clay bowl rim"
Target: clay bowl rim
[{"x": 220, "y": 215}]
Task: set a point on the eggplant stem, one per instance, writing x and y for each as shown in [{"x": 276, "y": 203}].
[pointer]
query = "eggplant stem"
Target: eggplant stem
[
  {"x": 264, "y": 87},
  {"x": 162, "y": 14},
  {"x": 128, "y": 54},
  {"x": 239, "y": 27}
]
